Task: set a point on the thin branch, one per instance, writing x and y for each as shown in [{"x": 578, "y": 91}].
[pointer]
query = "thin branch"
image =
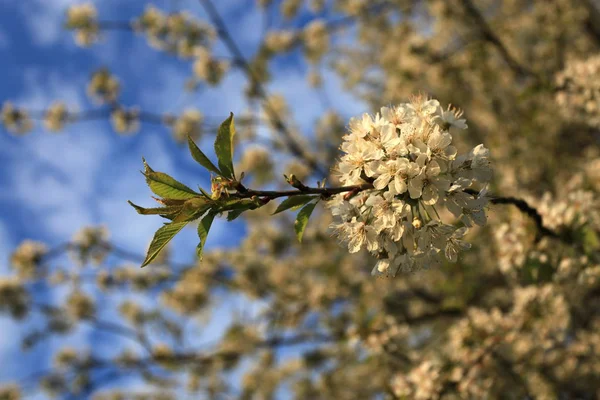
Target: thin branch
[
  {"x": 526, "y": 209},
  {"x": 117, "y": 251},
  {"x": 194, "y": 357},
  {"x": 236, "y": 52},
  {"x": 490, "y": 37},
  {"x": 325, "y": 192},
  {"x": 116, "y": 25},
  {"x": 107, "y": 326},
  {"x": 531, "y": 212},
  {"x": 521, "y": 204},
  {"x": 143, "y": 116},
  {"x": 592, "y": 23}
]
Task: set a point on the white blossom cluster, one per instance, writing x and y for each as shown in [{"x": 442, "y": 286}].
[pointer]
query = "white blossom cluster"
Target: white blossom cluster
[
  {"x": 578, "y": 92},
  {"x": 103, "y": 87},
  {"x": 289, "y": 8},
  {"x": 258, "y": 162},
  {"x": 15, "y": 119},
  {"x": 14, "y": 299},
  {"x": 207, "y": 68},
  {"x": 25, "y": 259},
  {"x": 176, "y": 32},
  {"x": 91, "y": 243},
  {"x": 422, "y": 382},
  {"x": 56, "y": 117},
  {"x": 405, "y": 152},
  {"x": 126, "y": 120},
  {"x": 316, "y": 40},
  {"x": 189, "y": 123},
  {"x": 280, "y": 41},
  {"x": 83, "y": 19}
]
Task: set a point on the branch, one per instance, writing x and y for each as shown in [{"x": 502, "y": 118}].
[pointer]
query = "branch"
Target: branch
[
  {"x": 116, "y": 25},
  {"x": 592, "y": 23},
  {"x": 521, "y": 204},
  {"x": 117, "y": 251},
  {"x": 143, "y": 116},
  {"x": 237, "y": 54},
  {"x": 116, "y": 329},
  {"x": 194, "y": 357},
  {"x": 531, "y": 212},
  {"x": 525, "y": 208},
  {"x": 489, "y": 36},
  {"x": 325, "y": 192}
]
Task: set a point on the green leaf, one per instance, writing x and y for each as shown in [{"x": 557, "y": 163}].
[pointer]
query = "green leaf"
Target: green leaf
[
  {"x": 165, "y": 186},
  {"x": 302, "y": 220},
  {"x": 246, "y": 204},
  {"x": 193, "y": 209},
  {"x": 205, "y": 193},
  {"x": 293, "y": 203},
  {"x": 233, "y": 214},
  {"x": 157, "y": 210},
  {"x": 147, "y": 168},
  {"x": 169, "y": 202},
  {"x": 203, "y": 228},
  {"x": 237, "y": 207},
  {"x": 201, "y": 158},
  {"x": 224, "y": 147},
  {"x": 161, "y": 238}
]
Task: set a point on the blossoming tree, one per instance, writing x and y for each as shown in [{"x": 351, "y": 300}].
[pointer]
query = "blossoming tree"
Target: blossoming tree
[{"x": 456, "y": 277}]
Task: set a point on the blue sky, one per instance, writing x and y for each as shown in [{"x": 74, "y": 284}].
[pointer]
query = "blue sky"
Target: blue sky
[{"x": 53, "y": 184}]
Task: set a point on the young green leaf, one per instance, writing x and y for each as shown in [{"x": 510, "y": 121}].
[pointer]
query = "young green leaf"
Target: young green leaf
[
  {"x": 203, "y": 228},
  {"x": 237, "y": 207},
  {"x": 165, "y": 186},
  {"x": 201, "y": 158},
  {"x": 224, "y": 147},
  {"x": 193, "y": 209},
  {"x": 302, "y": 220},
  {"x": 161, "y": 238},
  {"x": 293, "y": 203},
  {"x": 169, "y": 202},
  {"x": 205, "y": 193},
  {"x": 146, "y": 166},
  {"x": 169, "y": 210},
  {"x": 233, "y": 214}
]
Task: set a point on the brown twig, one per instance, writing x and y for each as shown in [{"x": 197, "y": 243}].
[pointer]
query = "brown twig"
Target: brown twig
[
  {"x": 236, "y": 52},
  {"x": 490, "y": 37}
]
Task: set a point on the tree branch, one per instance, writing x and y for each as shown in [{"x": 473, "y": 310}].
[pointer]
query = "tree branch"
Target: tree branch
[
  {"x": 326, "y": 192},
  {"x": 489, "y": 36},
  {"x": 236, "y": 52},
  {"x": 531, "y": 212}
]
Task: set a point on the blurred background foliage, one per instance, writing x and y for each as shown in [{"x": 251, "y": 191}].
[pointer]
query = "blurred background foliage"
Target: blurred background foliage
[{"x": 517, "y": 317}]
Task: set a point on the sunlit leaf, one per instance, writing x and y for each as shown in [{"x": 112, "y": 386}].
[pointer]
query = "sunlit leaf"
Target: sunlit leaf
[
  {"x": 165, "y": 186},
  {"x": 203, "y": 229},
  {"x": 201, "y": 158},
  {"x": 170, "y": 202},
  {"x": 235, "y": 214},
  {"x": 224, "y": 147},
  {"x": 205, "y": 193},
  {"x": 293, "y": 203},
  {"x": 156, "y": 210},
  {"x": 193, "y": 209},
  {"x": 302, "y": 220},
  {"x": 161, "y": 238}
]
